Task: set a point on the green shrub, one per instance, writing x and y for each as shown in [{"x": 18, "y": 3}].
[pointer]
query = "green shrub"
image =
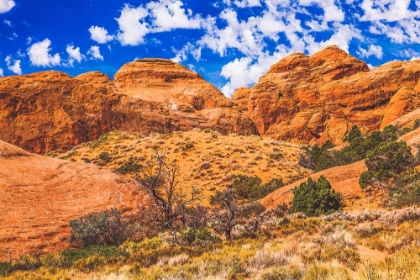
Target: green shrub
[
  {"x": 251, "y": 187},
  {"x": 243, "y": 185},
  {"x": 106, "y": 227},
  {"x": 5, "y": 268},
  {"x": 315, "y": 198},
  {"x": 320, "y": 158},
  {"x": 131, "y": 166},
  {"x": 105, "y": 156},
  {"x": 265, "y": 189},
  {"x": 199, "y": 236},
  {"x": 416, "y": 123},
  {"x": 100, "y": 140},
  {"x": 386, "y": 161},
  {"x": 405, "y": 190}
]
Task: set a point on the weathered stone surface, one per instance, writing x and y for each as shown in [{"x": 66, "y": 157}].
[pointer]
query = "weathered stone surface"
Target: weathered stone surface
[
  {"x": 40, "y": 195},
  {"x": 313, "y": 99},
  {"x": 51, "y": 110}
]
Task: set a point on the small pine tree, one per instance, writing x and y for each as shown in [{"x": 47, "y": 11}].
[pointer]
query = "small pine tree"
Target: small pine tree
[
  {"x": 353, "y": 134},
  {"x": 315, "y": 198}
]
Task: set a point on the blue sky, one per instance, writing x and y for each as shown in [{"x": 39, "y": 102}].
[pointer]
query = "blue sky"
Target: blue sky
[{"x": 231, "y": 43}]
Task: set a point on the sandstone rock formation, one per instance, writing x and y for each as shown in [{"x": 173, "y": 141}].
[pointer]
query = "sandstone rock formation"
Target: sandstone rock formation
[
  {"x": 51, "y": 110},
  {"x": 313, "y": 99},
  {"x": 40, "y": 195}
]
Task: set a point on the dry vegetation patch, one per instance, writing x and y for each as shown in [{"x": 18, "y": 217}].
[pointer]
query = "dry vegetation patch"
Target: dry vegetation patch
[{"x": 207, "y": 158}]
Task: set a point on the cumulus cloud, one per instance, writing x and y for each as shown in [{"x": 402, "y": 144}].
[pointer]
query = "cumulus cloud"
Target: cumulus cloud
[
  {"x": 331, "y": 11},
  {"x": 74, "y": 55},
  {"x": 6, "y": 5},
  {"x": 372, "y": 50},
  {"x": 132, "y": 25},
  {"x": 39, "y": 54},
  {"x": 1, "y": 72},
  {"x": 94, "y": 53},
  {"x": 100, "y": 35},
  {"x": 246, "y": 71},
  {"x": 165, "y": 15},
  {"x": 387, "y": 10},
  {"x": 13, "y": 65}
]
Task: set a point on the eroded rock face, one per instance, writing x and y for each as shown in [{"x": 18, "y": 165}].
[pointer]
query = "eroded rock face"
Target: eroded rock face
[
  {"x": 306, "y": 99},
  {"x": 40, "y": 195},
  {"x": 51, "y": 110}
]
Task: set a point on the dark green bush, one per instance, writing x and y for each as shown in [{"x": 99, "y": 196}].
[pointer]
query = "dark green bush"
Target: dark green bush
[
  {"x": 105, "y": 156},
  {"x": 106, "y": 227},
  {"x": 199, "y": 236},
  {"x": 320, "y": 158},
  {"x": 387, "y": 160},
  {"x": 405, "y": 190},
  {"x": 131, "y": 166},
  {"x": 315, "y": 198},
  {"x": 251, "y": 187},
  {"x": 5, "y": 268},
  {"x": 416, "y": 123},
  {"x": 265, "y": 189},
  {"x": 243, "y": 185}
]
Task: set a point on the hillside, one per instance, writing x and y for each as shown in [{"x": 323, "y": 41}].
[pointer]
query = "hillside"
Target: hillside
[
  {"x": 40, "y": 195},
  {"x": 207, "y": 159}
]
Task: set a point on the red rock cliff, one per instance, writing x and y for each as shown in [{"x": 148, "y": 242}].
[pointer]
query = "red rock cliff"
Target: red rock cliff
[
  {"x": 313, "y": 99},
  {"x": 51, "y": 110}
]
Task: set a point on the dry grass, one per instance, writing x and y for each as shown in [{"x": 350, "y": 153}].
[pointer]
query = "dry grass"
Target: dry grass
[
  {"x": 208, "y": 160},
  {"x": 302, "y": 248}
]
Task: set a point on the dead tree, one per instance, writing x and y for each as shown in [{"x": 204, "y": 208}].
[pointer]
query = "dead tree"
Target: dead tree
[{"x": 160, "y": 178}]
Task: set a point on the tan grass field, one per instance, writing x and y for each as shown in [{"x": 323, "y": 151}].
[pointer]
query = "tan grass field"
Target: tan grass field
[{"x": 207, "y": 159}]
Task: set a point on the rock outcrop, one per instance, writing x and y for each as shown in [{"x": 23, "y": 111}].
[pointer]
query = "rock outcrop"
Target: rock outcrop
[
  {"x": 40, "y": 195},
  {"x": 314, "y": 99},
  {"x": 51, "y": 110}
]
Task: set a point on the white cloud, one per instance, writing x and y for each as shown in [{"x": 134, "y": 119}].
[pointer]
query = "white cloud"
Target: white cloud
[
  {"x": 95, "y": 53},
  {"x": 372, "y": 50},
  {"x": 39, "y": 54},
  {"x": 407, "y": 53},
  {"x": 20, "y": 53},
  {"x": 132, "y": 31},
  {"x": 74, "y": 55},
  {"x": 182, "y": 54},
  {"x": 246, "y": 71},
  {"x": 247, "y": 3},
  {"x": 343, "y": 35},
  {"x": 387, "y": 10},
  {"x": 1, "y": 72},
  {"x": 169, "y": 15},
  {"x": 8, "y": 22},
  {"x": 6, "y": 5},
  {"x": 164, "y": 15},
  {"x": 331, "y": 11},
  {"x": 100, "y": 35},
  {"x": 13, "y": 65},
  {"x": 28, "y": 40}
]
